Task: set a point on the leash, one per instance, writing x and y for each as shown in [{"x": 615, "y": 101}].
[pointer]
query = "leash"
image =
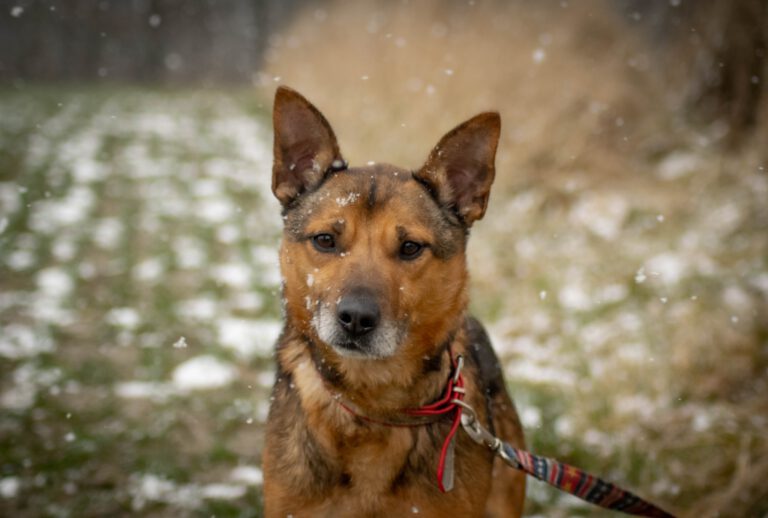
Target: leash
[{"x": 564, "y": 477}]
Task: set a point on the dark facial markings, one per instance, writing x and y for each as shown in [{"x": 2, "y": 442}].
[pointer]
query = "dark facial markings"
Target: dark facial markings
[
  {"x": 372, "y": 193},
  {"x": 380, "y": 185}
]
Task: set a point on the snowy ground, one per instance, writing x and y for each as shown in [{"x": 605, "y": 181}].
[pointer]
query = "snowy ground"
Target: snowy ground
[{"x": 138, "y": 306}]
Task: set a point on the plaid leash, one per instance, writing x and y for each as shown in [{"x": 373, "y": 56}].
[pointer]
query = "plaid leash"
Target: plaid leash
[
  {"x": 563, "y": 476},
  {"x": 580, "y": 483}
]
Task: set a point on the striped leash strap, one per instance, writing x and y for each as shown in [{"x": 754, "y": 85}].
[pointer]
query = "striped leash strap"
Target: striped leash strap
[{"x": 560, "y": 475}]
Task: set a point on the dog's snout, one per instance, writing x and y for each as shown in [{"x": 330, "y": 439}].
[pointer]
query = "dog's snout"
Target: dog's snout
[{"x": 358, "y": 313}]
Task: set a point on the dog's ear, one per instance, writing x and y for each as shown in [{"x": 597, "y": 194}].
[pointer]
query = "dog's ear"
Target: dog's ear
[
  {"x": 305, "y": 147},
  {"x": 460, "y": 169}
]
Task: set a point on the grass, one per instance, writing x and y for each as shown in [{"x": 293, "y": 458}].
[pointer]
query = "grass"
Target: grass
[
  {"x": 103, "y": 192},
  {"x": 621, "y": 269}
]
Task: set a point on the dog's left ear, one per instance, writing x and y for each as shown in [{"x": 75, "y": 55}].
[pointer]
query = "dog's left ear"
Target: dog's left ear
[
  {"x": 305, "y": 146},
  {"x": 460, "y": 169}
]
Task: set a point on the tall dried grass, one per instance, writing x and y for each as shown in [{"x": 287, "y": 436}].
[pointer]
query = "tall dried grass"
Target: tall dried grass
[
  {"x": 572, "y": 83},
  {"x": 669, "y": 375}
]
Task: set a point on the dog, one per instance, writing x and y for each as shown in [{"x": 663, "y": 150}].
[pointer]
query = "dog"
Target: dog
[{"x": 375, "y": 304}]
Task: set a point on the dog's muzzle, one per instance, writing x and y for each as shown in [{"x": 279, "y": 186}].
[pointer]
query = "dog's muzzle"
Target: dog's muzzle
[{"x": 355, "y": 326}]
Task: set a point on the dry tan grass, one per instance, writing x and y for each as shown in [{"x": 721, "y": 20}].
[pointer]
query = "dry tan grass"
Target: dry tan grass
[
  {"x": 589, "y": 113},
  {"x": 392, "y": 80}
]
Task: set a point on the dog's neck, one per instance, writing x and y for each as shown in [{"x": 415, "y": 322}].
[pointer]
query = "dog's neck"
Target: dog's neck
[{"x": 377, "y": 388}]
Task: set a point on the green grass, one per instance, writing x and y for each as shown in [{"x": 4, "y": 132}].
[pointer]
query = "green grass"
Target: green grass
[{"x": 133, "y": 217}]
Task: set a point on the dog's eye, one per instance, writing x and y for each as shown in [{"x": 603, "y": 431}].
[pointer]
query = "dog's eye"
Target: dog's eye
[
  {"x": 324, "y": 242},
  {"x": 410, "y": 250}
]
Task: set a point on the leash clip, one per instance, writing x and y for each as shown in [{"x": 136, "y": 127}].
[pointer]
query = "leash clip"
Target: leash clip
[{"x": 474, "y": 429}]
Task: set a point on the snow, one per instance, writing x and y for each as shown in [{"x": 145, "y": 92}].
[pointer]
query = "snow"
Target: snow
[
  {"x": 247, "y": 475},
  {"x": 203, "y": 372},
  {"x": 573, "y": 295},
  {"x": 234, "y": 274},
  {"x": 249, "y": 338},
  {"x": 153, "y": 390},
  {"x": 247, "y": 301},
  {"x": 9, "y": 487},
  {"x": 668, "y": 266},
  {"x": 27, "y": 381},
  {"x": 200, "y": 308},
  {"x": 601, "y": 214},
  {"x": 147, "y": 487},
  {"x": 678, "y": 164},
  {"x": 54, "y": 282},
  {"x": 222, "y": 491},
  {"x": 126, "y": 318},
  {"x": 530, "y": 416},
  {"x": 190, "y": 252},
  {"x": 64, "y": 248},
  {"x": 108, "y": 233},
  {"x": 349, "y": 199},
  {"x": 214, "y": 210},
  {"x": 149, "y": 270},
  {"x": 53, "y": 214},
  {"x": 19, "y": 341},
  {"x": 737, "y": 299}
]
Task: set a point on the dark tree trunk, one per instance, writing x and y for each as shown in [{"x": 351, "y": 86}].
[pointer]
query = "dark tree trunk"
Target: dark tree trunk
[{"x": 730, "y": 80}]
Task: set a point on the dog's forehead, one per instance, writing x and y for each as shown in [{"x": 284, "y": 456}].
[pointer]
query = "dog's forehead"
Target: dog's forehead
[{"x": 370, "y": 188}]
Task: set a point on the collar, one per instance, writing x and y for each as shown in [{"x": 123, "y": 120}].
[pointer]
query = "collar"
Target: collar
[{"x": 449, "y": 403}]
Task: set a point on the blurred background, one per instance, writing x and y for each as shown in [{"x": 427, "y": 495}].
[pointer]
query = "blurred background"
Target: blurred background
[{"x": 622, "y": 267}]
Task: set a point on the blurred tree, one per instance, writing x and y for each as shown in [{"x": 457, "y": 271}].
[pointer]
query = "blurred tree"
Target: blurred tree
[
  {"x": 730, "y": 80},
  {"x": 137, "y": 40}
]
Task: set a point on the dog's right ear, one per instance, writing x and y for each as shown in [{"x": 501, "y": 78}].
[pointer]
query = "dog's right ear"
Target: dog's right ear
[{"x": 305, "y": 146}]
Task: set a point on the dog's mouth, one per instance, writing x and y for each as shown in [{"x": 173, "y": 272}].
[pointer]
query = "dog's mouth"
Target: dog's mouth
[{"x": 353, "y": 349}]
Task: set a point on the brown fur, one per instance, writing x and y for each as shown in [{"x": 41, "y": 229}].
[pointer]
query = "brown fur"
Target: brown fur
[{"x": 320, "y": 460}]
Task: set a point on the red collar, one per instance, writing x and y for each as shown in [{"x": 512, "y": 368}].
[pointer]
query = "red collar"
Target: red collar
[{"x": 454, "y": 391}]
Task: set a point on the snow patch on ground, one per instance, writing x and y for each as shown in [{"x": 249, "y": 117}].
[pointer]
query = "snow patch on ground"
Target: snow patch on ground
[
  {"x": 678, "y": 164},
  {"x": 249, "y": 338},
  {"x": 203, "y": 372},
  {"x": 602, "y": 214},
  {"x": 9, "y": 487},
  {"x": 247, "y": 475},
  {"x": 156, "y": 391},
  {"x": 149, "y": 488},
  {"x": 18, "y": 341},
  {"x": 28, "y": 380}
]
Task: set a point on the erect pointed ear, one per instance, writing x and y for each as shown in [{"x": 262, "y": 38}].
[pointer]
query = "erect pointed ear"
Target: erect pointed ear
[
  {"x": 460, "y": 169},
  {"x": 305, "y": 146}
]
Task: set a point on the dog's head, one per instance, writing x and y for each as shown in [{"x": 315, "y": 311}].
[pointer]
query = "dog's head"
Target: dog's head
[{"x": 373, "y": 258}]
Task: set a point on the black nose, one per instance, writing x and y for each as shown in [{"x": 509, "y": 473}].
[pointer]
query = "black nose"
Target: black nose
[{"x": 358, "y": 313}]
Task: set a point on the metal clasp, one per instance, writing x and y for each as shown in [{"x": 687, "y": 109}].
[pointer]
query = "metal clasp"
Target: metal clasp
[{"x": 474, "y": 429}]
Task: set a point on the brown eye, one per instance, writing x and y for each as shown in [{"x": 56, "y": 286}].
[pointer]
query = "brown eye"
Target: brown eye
[
  {"x": 324, "y": 242},
  {"x": 410, "y": 250}
]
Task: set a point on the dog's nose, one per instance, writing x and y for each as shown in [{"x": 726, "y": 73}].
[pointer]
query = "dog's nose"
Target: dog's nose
[{"x": 358, "y": 313}]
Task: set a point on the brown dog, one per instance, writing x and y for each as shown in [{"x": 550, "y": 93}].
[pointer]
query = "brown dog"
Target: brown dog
[{"x": 375, "y": 296}]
